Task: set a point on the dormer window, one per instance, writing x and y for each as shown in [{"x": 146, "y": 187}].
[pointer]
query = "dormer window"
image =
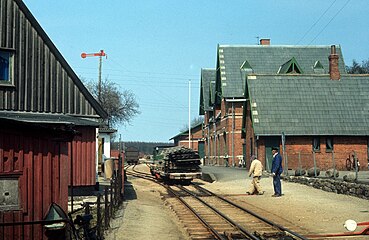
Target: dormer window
[
  {"x": 290, "y": 67},
  {"x": 318, "y": 68},
  {"x": 246, "y": 67},
  {"x": 6, "y": 67}
]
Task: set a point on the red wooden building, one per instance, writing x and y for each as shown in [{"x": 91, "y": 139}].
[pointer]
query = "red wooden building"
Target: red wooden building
[{"x": 48, "y": 124}]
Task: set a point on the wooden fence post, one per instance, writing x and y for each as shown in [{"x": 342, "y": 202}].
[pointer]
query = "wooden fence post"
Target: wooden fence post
[
  {"x": 106, "y": 222},
  {"x": 111, "y": 198},
  {"x": 98, "y": 215},
  {"x": 87, "y": 209}
]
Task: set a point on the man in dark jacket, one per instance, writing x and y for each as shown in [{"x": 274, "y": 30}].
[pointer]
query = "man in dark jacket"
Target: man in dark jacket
[{"x": 276, "y": 172}]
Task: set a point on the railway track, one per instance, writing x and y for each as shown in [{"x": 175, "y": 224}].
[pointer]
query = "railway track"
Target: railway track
[
  {"x": 228, "y": 219},
  {"x": 206, "y": 215}
]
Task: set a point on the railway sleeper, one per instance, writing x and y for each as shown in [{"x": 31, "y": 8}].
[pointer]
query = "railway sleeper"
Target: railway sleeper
[
  {"x": 274, "y": 235},
  {"x": 234, "y": 235}
]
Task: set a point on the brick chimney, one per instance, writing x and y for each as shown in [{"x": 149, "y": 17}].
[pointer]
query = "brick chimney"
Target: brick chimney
[
  {"x": 334, "y": 72},
  {"x": 265, "y": 41}
]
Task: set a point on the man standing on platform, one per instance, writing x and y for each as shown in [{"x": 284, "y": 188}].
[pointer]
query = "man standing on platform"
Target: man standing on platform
[
  {"x": 276, "y": 172},
  {"x": 256, "y": 169}
]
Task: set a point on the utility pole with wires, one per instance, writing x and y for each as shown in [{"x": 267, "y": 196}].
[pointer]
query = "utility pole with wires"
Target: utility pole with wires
[{"x": 100, "y": 55}]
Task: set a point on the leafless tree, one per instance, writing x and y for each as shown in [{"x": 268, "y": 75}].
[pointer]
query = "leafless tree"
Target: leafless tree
[
  {"x": 356, "y": 68},
  {"x": 121, "y": 106},
  {"x": 195, "y": 121}
]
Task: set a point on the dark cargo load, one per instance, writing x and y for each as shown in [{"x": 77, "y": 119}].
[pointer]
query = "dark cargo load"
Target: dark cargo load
[{"x": 179, "y": 163}]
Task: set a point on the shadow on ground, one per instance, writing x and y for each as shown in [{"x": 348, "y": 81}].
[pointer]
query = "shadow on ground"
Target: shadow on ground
[{"x": 129, "y": 191}]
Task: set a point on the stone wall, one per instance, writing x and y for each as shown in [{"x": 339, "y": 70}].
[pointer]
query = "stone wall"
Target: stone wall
[{"x": 331, "y": 185}]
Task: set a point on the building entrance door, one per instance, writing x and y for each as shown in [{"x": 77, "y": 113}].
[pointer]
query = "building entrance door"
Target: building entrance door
[{"x": 269, "y": 143}]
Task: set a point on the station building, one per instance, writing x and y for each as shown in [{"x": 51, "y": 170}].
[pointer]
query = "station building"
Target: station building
[{"x": 298, "y": 98}]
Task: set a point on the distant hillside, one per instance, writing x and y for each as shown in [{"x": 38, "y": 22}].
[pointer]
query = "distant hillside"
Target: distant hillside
[{"x": 143, "y": 147}]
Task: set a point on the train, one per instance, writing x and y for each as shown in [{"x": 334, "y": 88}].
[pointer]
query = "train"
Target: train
[
  {"x": 132, "y": 155},
  {"x": 176, "y": 164}
]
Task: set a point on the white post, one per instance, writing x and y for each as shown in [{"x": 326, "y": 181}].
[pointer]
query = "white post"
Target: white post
[
  {"x": 233, "y": 127},
  {"x": 189, "y": 113}
]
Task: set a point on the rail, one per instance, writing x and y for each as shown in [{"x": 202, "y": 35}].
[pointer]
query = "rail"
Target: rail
[{"x": 236, "y": 230}]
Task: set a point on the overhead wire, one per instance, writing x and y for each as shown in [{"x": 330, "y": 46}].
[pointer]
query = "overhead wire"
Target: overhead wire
[
  {"x": 314, "y": 24},
  {"x": 144, "y": 80},
  {"x": 330, "y": 21},
  {"x": 157, "y": 73}
]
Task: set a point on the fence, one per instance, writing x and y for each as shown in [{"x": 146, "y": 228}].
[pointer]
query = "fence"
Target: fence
[{"x": 106, "y": 204}]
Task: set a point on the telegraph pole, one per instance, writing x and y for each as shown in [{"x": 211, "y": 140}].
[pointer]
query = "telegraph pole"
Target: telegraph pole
[{"x": 100, "y": 55}]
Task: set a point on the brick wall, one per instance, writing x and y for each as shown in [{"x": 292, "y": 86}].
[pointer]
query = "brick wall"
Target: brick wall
[
  {"x": 227, "y": 142},
  {"x": 196, "y": 136},
  {"x": 298, "y": 151}
]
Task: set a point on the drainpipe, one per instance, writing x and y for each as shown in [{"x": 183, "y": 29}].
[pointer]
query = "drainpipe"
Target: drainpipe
[
  {"x": 214, "y": 144},
  {"x": 215, "y": 139},
  {"x": 208, "y": 142},
  {"x": 71, "y": 174},
  {"x": 233, "y": 119}
]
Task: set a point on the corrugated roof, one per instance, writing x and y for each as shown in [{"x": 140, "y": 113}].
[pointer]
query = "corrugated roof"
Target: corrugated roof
[
  {"x": 266, "y": 59},
  {"x": 207, "y": 75},
  {"x": 309, "y": 104}
]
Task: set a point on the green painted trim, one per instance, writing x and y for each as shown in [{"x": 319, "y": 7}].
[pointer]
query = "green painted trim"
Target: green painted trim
[
  {"x": 246, "y": 67},
  {"x": 292, "y": 63}
]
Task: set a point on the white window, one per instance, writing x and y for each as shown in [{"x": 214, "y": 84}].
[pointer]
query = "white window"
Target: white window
[
  {"x": 329, "y": 144},
  {"x": 316, "y": 144}
]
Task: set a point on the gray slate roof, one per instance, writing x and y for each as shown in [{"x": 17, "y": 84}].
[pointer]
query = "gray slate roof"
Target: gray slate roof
[
  {"x": 207, "y": 76},
  {"x": 266, "y": 59},
  {"x": 309, "y": 105}
]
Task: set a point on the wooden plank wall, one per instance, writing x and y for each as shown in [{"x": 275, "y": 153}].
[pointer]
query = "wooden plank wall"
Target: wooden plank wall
[
  {"x": 41, "y": 167},
  {"x": 84, "y": 157},
  {"x": 43, "y": 81}
]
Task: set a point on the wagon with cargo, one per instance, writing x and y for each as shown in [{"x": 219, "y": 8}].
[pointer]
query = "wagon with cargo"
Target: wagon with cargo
[{"x": 176, "y": 164}]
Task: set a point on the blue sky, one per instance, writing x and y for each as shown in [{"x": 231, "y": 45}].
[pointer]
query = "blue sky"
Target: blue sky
[{"x": 155, "y": 47}]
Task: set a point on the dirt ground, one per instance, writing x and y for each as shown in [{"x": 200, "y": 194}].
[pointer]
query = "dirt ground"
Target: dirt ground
[
  {"x": 301, "y": 208},
  {"x": 144, "y": 215}
]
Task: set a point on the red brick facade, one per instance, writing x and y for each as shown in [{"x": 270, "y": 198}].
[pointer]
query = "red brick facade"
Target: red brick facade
[
  {"x": 299, "y": 152},
  {"x": 196, "y": 137},
  {"x": 223, "y": 140}
]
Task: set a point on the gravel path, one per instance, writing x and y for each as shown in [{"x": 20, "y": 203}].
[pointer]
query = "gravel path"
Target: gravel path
[{"x": 144, "y": 215}]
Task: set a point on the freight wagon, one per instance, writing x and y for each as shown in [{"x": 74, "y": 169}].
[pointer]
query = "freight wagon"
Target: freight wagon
[
  {"x": 132, "y": 155},
  {"x": 176, "y": 164}
]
